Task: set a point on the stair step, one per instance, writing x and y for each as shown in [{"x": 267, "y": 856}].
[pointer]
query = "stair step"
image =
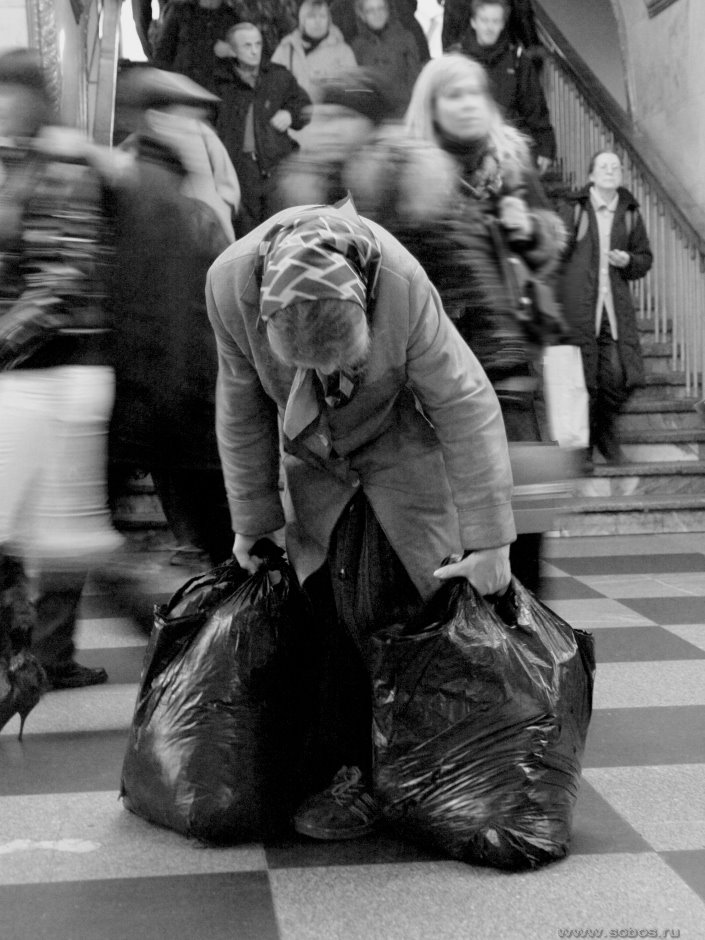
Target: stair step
[
  {"x": 665, "y": 436},
  {"x": 686, "y": 419},
  {"x": 666, "y": 478},
  {"x": 648, "y": 325},
  {"x": 630, "y": 515},
  {"x": 664, "y": 378},
  {"x": 664, "y": 467},
  {"x": 654, "y": 405},
  {"x": 658, "y": 386},
  {"x": 652, "y": 349},
  {"x": 139, "y": 507}
]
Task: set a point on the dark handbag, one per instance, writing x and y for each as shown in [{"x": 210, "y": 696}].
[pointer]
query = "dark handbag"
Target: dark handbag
[
  {"x": 481, "y": 714},
  {"x": 533, "y": 302}
]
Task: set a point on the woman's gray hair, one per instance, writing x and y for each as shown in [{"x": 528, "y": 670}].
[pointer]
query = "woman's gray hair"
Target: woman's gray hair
[{"x": 511, "y": 146}]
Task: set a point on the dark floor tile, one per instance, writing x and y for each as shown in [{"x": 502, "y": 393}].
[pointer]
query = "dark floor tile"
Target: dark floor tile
[
  {"x": 667, "y": 610},
  {"x": 378, "y": 849},
  {"x": 634, "y": 737},
  {"x": 631, "y": 564},
  {"x": 61, "y": 763},
  {"x": 234, "y": 906},
  {"x": 566, "y": 589},
  {"x": 642, "y": 644},
  {"x": 599, "y": 829},
  {"x": 690, "y": 865},
  {"x": 123, "y": 664}
]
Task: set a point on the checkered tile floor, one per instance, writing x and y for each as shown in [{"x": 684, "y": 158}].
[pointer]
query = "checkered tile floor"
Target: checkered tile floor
[{"x": 74, "y": 865}]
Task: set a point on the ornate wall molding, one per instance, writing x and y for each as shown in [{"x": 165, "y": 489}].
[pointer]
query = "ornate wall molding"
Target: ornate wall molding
[{"x": 41, "y": 22}]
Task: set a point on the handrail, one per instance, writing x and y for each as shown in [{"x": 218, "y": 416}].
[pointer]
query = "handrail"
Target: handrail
[
  {"x": 587, "y": 119},
  {"x": 102, "y": 44}
]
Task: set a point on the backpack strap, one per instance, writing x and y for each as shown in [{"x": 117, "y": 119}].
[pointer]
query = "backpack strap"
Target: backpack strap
[{"x": 580, "y": 221}]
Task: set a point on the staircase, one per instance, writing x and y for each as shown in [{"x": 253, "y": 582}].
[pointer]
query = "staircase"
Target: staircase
[{"x": 662, "y": 487}]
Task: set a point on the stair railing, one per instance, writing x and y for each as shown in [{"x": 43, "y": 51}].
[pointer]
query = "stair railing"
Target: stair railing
[
  {"x": 101, "y": 43},
  {"x": 587, "y": 119}
]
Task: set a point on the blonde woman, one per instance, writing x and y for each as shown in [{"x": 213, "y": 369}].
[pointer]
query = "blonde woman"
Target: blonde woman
[{"x": 493, "y": 206}]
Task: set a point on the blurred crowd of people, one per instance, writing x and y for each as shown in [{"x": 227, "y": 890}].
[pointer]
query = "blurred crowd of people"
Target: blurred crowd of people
[{"x": 248, "y": 108}]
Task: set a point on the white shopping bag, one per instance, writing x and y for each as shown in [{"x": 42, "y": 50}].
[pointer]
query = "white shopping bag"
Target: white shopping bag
[{"x": 566, "y": 396}]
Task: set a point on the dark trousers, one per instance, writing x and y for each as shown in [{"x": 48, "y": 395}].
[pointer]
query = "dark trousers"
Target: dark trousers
[
  {"x": 196, "y": 508},
  {"x": 258, "y": 196},
  {"x": 521, "y": 424},
  {"x": 362, "y": 589},
  {"x": 609, "y": 395},
  {"x": 56, "y": 605}
]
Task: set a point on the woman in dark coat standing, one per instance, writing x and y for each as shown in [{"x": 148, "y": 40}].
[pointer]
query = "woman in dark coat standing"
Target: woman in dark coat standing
[{"x": 608, "y": 249}]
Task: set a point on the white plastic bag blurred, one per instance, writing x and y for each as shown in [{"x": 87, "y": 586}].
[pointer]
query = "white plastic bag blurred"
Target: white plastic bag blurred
[{"x": 566, "y": 396}]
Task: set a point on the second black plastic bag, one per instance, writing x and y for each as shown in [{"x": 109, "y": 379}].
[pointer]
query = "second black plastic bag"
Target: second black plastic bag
[
  {"x": 215, "y": 747},
  {"x": 480, "y": 721}
]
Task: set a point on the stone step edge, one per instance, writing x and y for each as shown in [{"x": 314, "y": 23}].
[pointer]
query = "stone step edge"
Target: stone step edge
[
  {"x": 665, "y": 378},
  {"x": 663, "y": 436},
  {"x": 645, "y": 503},
  {"x": 650, "y": 469},
  {"x": 644, "y": 406}
]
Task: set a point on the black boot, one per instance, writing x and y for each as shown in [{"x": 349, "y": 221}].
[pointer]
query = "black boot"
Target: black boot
[{"x": 21, "y": 676}]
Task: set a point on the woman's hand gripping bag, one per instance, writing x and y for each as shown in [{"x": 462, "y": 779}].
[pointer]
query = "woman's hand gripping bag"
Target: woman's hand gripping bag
[
  {"x": 216, "y": 738},
  {"x": 481, "y": 714}
]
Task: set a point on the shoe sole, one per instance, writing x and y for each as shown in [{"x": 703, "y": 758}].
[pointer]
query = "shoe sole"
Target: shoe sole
[{"x": 333, "y": 835}]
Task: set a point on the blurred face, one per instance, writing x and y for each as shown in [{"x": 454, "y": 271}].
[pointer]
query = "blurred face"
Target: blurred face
[
  {"x": 607, "y": 172},
  {"x": 375, "y": 13},
  {"x": 488, "y": 23},
  {"x": 462, "y": 109},
  {"x": 247, "y": 46},
  {"x": 336, "y": 130},
  {"x": 18, "y": 111},
  {"x": 316, "y": 21}
]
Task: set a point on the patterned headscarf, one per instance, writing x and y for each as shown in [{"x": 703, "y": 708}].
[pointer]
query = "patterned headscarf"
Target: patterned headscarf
[{"x": 318, "y": 257}]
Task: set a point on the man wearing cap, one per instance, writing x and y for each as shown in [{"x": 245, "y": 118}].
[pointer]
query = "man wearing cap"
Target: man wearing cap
[
  {"x": 175, "y": 110},
  {"x": 394, "y": 454},
  {"x": 165, "y": 361},
  {"x": 260, "y": 101}
]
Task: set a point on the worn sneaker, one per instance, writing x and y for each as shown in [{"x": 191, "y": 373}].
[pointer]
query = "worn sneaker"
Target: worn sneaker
[{"x": 346, "y": 810}]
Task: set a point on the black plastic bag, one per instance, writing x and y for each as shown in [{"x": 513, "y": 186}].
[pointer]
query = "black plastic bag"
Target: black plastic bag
[
  {"x": 480, "y": 720},
  {"x": 215, "y": 746}
]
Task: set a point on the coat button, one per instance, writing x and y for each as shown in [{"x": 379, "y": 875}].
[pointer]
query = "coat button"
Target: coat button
[{"x": 342, "y": 574}]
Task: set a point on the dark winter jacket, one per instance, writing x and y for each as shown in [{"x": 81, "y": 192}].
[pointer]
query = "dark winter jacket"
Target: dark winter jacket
[
  {"x": 403, "y": 11},
  {"x": 454, "y": 236},
  {"x": 579, "y": 281},
  {"x": 521, "y": 26},
  {"x": 55, "y": 249},
  {"x": 393, "y": 52},
  {"x": 186, "y": 38},
  {"x": 165, "y": 358},
  {"x": 275, "y": 89},
  {"x": 516, "y": 87}
]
